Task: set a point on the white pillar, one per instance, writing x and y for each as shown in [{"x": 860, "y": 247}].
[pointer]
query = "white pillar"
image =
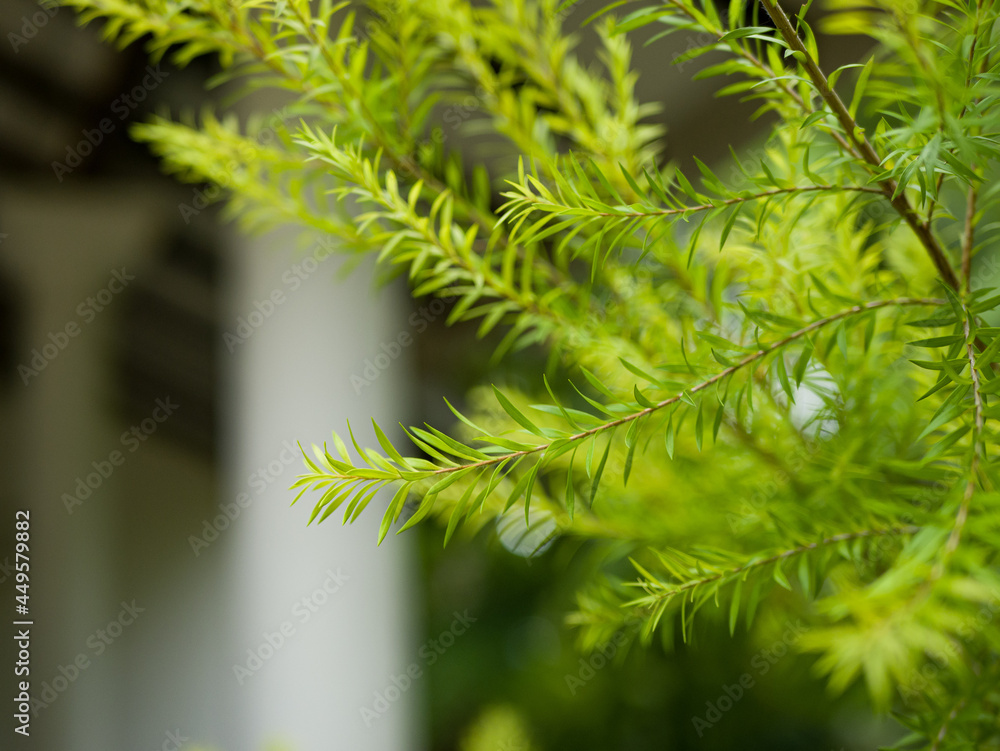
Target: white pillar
[
  {"x": 289, "y": 380},
  {"x": 131, "y": 539}
]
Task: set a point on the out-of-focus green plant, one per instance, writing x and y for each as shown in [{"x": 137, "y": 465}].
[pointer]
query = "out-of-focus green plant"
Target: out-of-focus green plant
[
  {"x": 768, "y": 389},
  {"x": 499, "y": 728}
]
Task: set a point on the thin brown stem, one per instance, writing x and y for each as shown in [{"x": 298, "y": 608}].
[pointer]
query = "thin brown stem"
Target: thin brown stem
[
  {"x": 979, "y": 424},
  {"x": 694, "y": 583},
  {"x": 748, "y": 360},
  {"x": 968, "y": 236},
  {"x": 970, "y": 67},
  {"x": 943, "y": 732},
  {"x": 683, "y": 210},
  {"x": 863, "y": 147},
  {"x": 720, "y": 376}
]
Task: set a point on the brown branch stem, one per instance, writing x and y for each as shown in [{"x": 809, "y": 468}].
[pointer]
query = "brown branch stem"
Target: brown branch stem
[
  {"x": 863, "y": 147},
  {"x": 786, "y": 554},
  {"x": 720, "y": 376}
]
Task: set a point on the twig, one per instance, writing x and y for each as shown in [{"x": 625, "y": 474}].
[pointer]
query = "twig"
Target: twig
[
  {"x": 909, "y": 530},
  {"x": 867, "y": 152},
  {"x": 968, "y": 238},
  {"x": 944, "y": 726},
  {"x": 748, "y": 360}
]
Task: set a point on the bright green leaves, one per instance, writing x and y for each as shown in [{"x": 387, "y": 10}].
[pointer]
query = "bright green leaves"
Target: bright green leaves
[
  {"x": 728, "y": 343},
  {"x": 966, "y": 378},
  {"x": 530, "y": 450},
  {"x": 599, "y": 471},
  {"x": 584, "y": 216},
  {"x": 683, "y": 583},
  {"x": 439, "y": 253},
  {"x": 513, "y": 411}
]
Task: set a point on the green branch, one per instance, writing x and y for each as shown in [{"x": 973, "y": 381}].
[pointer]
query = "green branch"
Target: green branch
[
  {"x": 341, "y": 475},
  {"x": 631, "y": 212},
  {"x": 978, "y": 426},
  {"x": 758, "y": 563},
  {"x": 855, "y": 133}
]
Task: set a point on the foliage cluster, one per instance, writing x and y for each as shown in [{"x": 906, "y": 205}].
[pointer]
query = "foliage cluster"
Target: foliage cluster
[{"x": 773, "y": 391}]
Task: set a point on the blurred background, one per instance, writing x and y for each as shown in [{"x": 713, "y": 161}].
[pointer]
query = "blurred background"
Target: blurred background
[{"x": 158, "y": 369}]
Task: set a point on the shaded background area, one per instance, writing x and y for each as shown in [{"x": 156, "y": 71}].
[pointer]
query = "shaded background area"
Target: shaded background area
[
  {"x": 193, "y": 527},
  {"x": 175, "y": 596}
]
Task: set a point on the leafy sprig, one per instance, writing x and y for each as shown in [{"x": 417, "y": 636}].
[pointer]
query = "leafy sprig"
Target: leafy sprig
[{"x": 741, "y": 350}]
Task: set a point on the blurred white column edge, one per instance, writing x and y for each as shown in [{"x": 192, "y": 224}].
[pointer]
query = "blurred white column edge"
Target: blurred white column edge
[{"x": 322, "y": 617}]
